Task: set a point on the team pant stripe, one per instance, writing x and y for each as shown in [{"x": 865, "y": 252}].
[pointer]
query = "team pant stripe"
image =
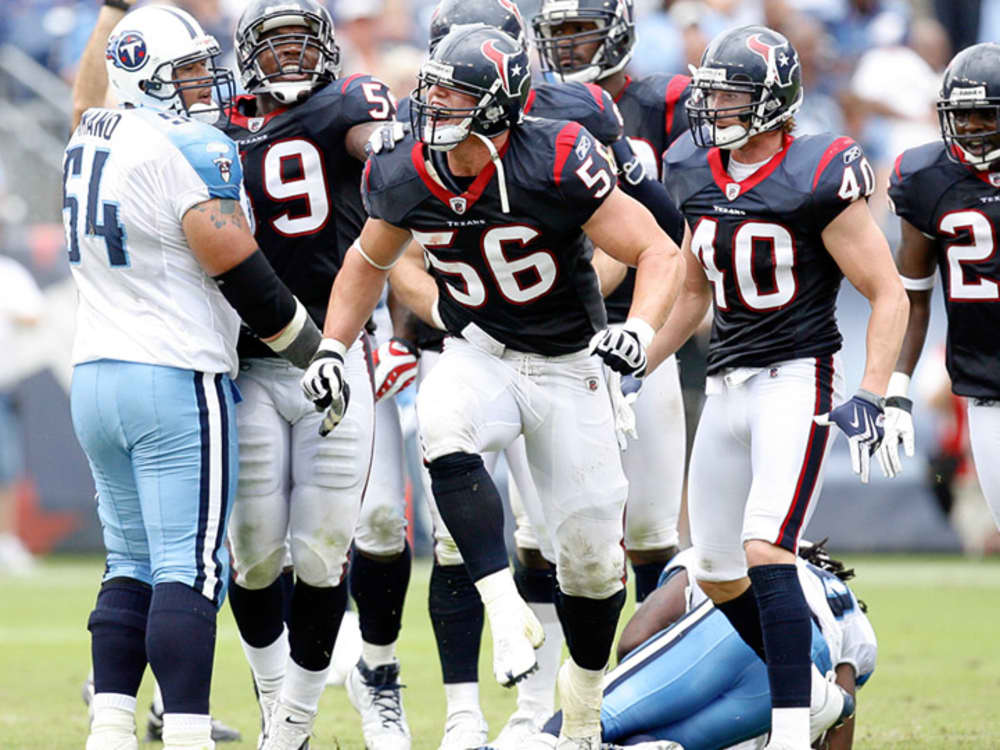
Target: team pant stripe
[
  {"x": 211, "y": 493},
  {"x": 224, "y": 498},
  {"x": 812, "y": 464}
]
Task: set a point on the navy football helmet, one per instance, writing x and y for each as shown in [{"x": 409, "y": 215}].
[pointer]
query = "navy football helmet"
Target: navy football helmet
[
  {"x": 480, "y": 61},
  {"x": 290, "y": 82},
  {"x": 751, "y": 60},
  {"x": 500, "y": 14},
  {"x": 970, "y": 91},
  {"x": 614, "y": 34}
]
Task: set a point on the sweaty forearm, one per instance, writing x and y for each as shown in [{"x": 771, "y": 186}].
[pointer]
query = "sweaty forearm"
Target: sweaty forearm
[
  {"x": 685, "y": 317},
  {"x": 658, "y": 279},
  {"x": 416, "y": 289},
  {"x": 916, "y": 331},
  {"x": 355, "y": 293}
]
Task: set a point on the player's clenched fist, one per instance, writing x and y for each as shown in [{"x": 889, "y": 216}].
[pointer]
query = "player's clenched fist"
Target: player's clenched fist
[
  {"x": 326, "y": 385},
  {"x": 395, "y": 367},
  {"x": 624, "y": 350}
]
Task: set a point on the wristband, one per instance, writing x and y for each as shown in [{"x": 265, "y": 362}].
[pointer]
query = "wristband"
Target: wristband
[
  {"x": 118, "y": 5},
  {"x": 643, "y": 330},
  {"x": 871, "y": 398},
  {"x": 331, "y": 346},
  {"x": 899, "y": 384}
]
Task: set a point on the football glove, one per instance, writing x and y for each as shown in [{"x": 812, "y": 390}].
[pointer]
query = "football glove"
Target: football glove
[
  {"x": 326, "y": 385},
  {"x": 898, "y": 429},
  {"x": 624, "y": 350},
  {"x": 861, "y": 420},
  {"x": 385, "y": 137},
  {"x": 621, "y": 403},
  {"x": 395, "y": 367}
]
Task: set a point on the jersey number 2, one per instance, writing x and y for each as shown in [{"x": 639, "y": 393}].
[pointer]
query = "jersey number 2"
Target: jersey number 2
[
  {"x": 107, "y": 225},
  {"x": 981, "y": 248}
]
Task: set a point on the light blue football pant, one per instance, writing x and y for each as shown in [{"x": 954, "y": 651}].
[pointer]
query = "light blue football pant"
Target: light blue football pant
[
  {"x": 697, "y": 683},
  {"x": 162, "y": 448}
]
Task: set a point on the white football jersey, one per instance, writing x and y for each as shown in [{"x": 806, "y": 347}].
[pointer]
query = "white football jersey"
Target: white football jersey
[
  {"x": 847, "y": 630},
  {"x": 130, "y": 175}
]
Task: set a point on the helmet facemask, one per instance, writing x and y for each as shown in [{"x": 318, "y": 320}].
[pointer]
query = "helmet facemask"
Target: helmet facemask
[
  {"x": 166, "y": 86},
  {"x": 443, "y": 128},
  {"x": 979, "y": 148},
  {"x": 756, "y": 116},
  {"x": 614, "y": 36},
  {"x": 317, "y": 62}
]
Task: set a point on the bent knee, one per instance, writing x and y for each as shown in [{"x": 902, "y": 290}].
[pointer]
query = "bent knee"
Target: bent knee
[
  {"x": 320, "y": 560},
  {"x": 262, "y": 572},
  {"x": 381, "y": 529}
]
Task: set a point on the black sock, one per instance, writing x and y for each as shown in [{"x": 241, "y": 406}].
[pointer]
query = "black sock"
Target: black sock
[
  {"x": 744, "y": 616},
  {"x": 647, "y": 575},
  {"x": 118, "y": 635},
  {"x": 471, "y": 508},
  {"x": 180, "y": 644},
  {"x": 457, "y": 618},
  {"x": 785, "y": 622},
  {"x": 379, "y": 589},
  {"x": 312, "y": 630},
  {"x": 287, "y": 582},
  {"x": 258, "y": 612},
  {"x": 535, "y": 585},
  {"x": 589, "y": 626}
]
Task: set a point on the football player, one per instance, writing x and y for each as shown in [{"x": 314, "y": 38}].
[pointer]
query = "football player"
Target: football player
[
  {"x": 162, "y": 253},
  {"x": 945, "y": 196},
  {"x": 500, "y": 205},
  {"x": 684, "y": 675},
  {"x": 455, "y": 608},
  {"x": 592, "y": 41},
  {"x": 301, "y": 133},
  {"x": 776, "y": 222}
]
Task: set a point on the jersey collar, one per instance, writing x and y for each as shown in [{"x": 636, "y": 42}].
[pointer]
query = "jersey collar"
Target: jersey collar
[
  {"x": 733, "y": 189},
  {"x": 242, "y": 120},
  {"x": 628, "y": 82},
  {"x": 450, "y": 199}
]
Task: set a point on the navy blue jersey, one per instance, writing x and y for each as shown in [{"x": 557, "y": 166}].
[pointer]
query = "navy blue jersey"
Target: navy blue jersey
[
  {"x": 959, "y": 209},
  {"x": 524, "y": 277},
  {"x": 303, "y": 186},
  {"x": 654, "y": 115},
  {"x": 760, "y": 244}
]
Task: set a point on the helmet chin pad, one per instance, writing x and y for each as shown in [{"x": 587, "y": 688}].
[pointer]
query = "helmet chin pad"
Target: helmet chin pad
[
  {"x": 732, "y": 137},
  {"x": 289, "y": 92}
]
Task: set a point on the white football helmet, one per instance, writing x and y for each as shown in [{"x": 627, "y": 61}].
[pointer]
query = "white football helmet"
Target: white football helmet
[{"x": 144, "y": 51}]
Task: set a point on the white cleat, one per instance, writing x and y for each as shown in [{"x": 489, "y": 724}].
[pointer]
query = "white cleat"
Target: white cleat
[
  {"x": 112, "y": 729},
  {"x": 581, "y": 705},
  {"x": 288, "y": 729},
  {"x": 836, "y": 707},
  {"x": 516, "y": 634},
  {"x": 566, "y": 742},
  {"x": 112, "y": 741},
  {"x": 346, "y": 649},
  {"x": 376, "y": 694},
  {"x": 464, "y": 730},
  {"x": 267, "y": 702},
  {"x": 519, "y": 727}
]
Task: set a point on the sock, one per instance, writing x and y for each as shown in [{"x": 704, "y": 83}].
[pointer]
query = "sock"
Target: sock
[
  {"x": 461, "y": 696},
  {"x": 375, "y": 655},
  {"x": 457, "y": 618},
  {"x": 316, "y": 615},
  {"x": 785, "y": 622},
  {"x": 157, "y": 703},
  {"x": 790, "y": 725},
  {"x": 744, "y": 616},
  {"x": 118, "y": 635},
  {"x": 536, "y": 692},
  {"x": 268, "y": 662},
  {"x": 180, "y": 644},
  {"x": 187, "y": 730},
  {"x": 472, "y": 510},
  {"x": 379, "y": 590},
  {"x": 302, "y": 688},
  {"x": 589, "y": 626},
  {"x": 113, "y": 714},
  {"x": 258, "y": 612},
  {"x": 647, "y": 575}
]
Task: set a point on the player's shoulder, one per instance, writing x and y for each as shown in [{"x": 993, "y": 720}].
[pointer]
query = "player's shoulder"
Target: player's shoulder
[
  {"x": 927, "y": 161},
  {"x": 391, "y": 183},
  {"x": 808, "y": 157},
  {"x": 358, "y": 97},
  {"x": 585, "y": 103},
  {"x": 684, "y": 154},
  {"x": 659, "y": 89},
  {"x": 200, "y": 144}
]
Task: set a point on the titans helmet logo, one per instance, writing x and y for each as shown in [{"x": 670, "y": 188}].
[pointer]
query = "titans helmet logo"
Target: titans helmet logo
[{"x": 128, "y": 51}]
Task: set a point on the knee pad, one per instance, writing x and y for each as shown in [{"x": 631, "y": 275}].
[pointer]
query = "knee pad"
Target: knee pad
[
  {"x": 381, "y": 527},
  {"x": 262, "y": 572},
  {"x": 590, "y": 559}
]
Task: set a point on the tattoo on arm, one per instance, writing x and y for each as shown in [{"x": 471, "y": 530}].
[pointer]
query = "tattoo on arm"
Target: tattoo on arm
[{"x": 224, "y": 212}]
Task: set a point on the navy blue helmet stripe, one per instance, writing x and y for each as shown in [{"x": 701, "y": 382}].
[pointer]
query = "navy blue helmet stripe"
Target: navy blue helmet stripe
[{"x": 180, "y": 17}]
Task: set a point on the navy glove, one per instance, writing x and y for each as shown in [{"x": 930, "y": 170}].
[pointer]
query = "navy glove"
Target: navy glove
[{"x": 861, "y": 419}]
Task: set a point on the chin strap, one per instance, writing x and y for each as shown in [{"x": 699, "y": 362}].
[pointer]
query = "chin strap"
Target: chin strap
[{"x": 501, "y": 179}]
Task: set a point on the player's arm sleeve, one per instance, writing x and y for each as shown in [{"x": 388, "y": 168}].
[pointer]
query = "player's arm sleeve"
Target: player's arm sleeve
[
  {"x": 583, "y": 172},
  {"x": 605, "y": 122},
  {"x": 859, "y": 647},
  {"x": 366, "y": 99},
  {"x": 908, "y": 201},
  {"x": 842, "y": 176},
  {"x": 207, "y": 167},
  {"x": 375, "y": 193}
]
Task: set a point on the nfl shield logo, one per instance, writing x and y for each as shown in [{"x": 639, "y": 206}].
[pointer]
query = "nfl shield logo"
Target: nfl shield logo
[
  {"x": 457, "y": 204},
  {"x": 732, "y": 190},
  {"x": 254, "y": 124}
]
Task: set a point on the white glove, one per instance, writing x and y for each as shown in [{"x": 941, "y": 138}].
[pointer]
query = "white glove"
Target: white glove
[
  {"x": 624, "y": 350},
  {"x": 326, "y": 385},
  {"x": 624, "y": 413},
  {"x": 861, "y": 420},
  {"x": 898, "y": 426},
  {"x": 395, "y": 367},
  {"x": 385, "y": 137}
]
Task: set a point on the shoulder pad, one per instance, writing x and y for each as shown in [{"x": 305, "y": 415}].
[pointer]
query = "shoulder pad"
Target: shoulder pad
[
  {"x": 917, "y": 182},
  {"x": 584, "y": 103},
  {"x": 386, "y": 171},
  {"x": 211, "y": 154},
  {"x": 362, "y": 98},
  {"x": 834, "y": 170}
]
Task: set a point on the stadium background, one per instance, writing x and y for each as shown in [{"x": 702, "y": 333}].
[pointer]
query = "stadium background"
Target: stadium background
[{"x": 871, "y": 70}]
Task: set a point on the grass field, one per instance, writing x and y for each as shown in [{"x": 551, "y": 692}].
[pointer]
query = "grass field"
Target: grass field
[{"x": 937, "y": 684}]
